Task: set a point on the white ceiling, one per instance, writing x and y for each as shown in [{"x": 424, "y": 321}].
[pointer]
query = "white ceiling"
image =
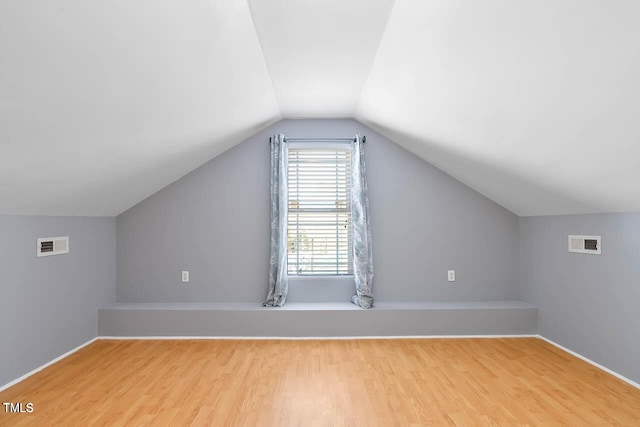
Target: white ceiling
[
  {"x": 533, "y": 104},
  {"x": 319, "y": 53},
  {"x": 103, "y": 103}
]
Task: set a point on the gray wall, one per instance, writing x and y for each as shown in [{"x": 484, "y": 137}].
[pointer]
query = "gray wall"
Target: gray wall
[
  {"x": 49, "y": 305},
  {"x": 215, "y": 223},
  {"x": 587, "y": 303}
]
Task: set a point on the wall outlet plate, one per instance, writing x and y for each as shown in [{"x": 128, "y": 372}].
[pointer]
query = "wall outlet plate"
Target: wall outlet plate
[{"x": 451, "y": 275}]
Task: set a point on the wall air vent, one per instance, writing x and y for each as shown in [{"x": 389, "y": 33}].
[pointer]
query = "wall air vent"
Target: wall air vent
[
  {"x": 52, "y": 246},
  {"x": 585, "y": 244}
]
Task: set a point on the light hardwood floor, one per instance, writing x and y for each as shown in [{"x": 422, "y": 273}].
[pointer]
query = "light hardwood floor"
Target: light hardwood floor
[{"x": 324, "y": 382}]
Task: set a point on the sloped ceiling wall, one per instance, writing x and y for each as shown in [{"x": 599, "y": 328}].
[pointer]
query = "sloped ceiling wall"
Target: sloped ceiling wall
[
  {"x": 533, "y": 104},
  {"x": 319, "y": 53},
  {"x": 103, "y": 103}
]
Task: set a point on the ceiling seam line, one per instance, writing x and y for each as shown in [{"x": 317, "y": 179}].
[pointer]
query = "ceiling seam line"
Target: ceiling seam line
[
  {"x": 373, "y": 62},
  {"x": 264, "y": 58}
]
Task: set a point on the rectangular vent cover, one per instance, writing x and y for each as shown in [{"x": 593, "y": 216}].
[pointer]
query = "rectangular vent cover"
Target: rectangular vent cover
[
  {"x": 585, "y": 244},
  {"x": 47, "y": 246}
]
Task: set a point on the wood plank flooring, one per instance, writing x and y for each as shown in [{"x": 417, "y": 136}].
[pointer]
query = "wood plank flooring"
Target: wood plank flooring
[{"x": 519, "y": 381}]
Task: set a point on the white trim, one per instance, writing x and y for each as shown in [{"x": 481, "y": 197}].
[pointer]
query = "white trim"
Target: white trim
[
  {"x": 364, "y": 337},
  {"x": 591, "y": 362},
  {"x": 57, "y": 359},
  {"x": 303, "y": 277},
  {"x": 318, "y": 145}
]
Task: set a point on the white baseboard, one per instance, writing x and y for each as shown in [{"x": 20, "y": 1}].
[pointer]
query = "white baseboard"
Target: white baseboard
[
  {"x": 57, "y": 359},
  {"x": 591, "y": 362},
  {"x": 364, "y": 337}
]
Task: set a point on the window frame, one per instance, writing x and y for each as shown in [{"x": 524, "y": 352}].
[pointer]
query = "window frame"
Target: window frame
[{"x": 311, "y": 145}]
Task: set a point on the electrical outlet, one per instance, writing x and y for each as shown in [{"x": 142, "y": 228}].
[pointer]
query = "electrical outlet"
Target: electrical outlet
[
  {"x": 451, "y": 275},
  {"x": 185, "y": 276}
]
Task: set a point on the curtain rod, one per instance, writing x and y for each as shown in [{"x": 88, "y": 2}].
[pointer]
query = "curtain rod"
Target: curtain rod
[{"x": 364, "y": 139}]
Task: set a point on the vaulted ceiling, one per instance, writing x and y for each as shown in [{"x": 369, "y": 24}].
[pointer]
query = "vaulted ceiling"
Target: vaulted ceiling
[{"x": 533, "y": 104}]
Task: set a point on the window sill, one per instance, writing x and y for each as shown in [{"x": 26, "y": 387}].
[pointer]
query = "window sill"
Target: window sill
[{"x": 318, "y": 277}]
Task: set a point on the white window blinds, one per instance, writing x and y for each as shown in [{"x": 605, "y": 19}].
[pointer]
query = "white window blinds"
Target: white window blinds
[{"x": 319, "y": 220}]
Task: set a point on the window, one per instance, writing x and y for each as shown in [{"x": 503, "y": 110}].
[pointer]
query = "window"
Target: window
[{"x": 319, "y": 238}]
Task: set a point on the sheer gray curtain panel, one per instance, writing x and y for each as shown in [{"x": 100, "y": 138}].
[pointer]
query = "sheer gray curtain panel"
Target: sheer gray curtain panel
[
  {"x": 361, "y": 228},
  {"x": 278, "y": 281}
]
